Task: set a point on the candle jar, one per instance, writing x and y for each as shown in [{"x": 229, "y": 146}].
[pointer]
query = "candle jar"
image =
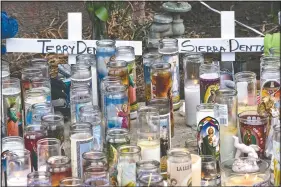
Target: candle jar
[
  {"x": 81, "y": 74},
  {"x": 147, "y": 167},
  {"x": 90, "y": 60},
  {"x": 115, "y": 138},
  {"x": 46, "y": 148},
  {"x": 117, "y": 107},
  {"x": 128, "y": 155},
  {"x": 275, "y": 51},
  {"x": 226, "y": 114},
  {"x": 166, "y": 126},
  {"x": 168, "y": 48},
  {"x": 148, "y": 134},
  {"x": 97, "y": 182},
  {"x": 104, "y": 51},
  {"x": 127, "y": 53},
  {"x": 179, "y": 165},
  {"x": 39, "y": 178},
  {"x": 154, "y": 180},
  {"x": 12, "y": 143},
  {"x": 246, "y": 87},
  {"x": 71, "y": 181},
  {"x": 258, "y": 178},
  {"x": 42, "y": 64},
  {"x": 18, "y": 167},
  {"x": 36, "y": 111},
  {"x": 209, "y": 82},
  {"x": 149, "y": 59},
  {"x": 96, "y": 127},
  {"x": 81, "y": 141},
  {"x": 12, "y": 107},
  {"x": 275, "y": 162},
  {"x": 119, "y": 68},
  {"x": 226, "y": 74},
  {"x": 268, "y": 62},
  {"x": 55, "y": 125},
  {"x": 95, "y": 165},
  {"x": 204, "y": 110},
  {"x": 209, "y": 171},
  {"x": 32, "y": 134},
  {"x": 5, "y": 70},
  {"x": 196, "y": 170},
  {"x": 191, "y": 64},
  {"x": 27, "y": 75},
  {"x": 252, "y": 129},
  {"x": 79, "y": 96},
  {"x": 44, "y": 84},
  {"x": 59, "y": 167}
]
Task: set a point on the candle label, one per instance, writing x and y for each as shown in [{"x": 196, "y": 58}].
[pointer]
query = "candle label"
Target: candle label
[
  {"x": 174, "y": 61},
  {"x": 13, "y": 113},
  {"x": 253, "y": 132},
  {"x": 132, "y": 86},
  {"x": 147, "y": 81},
  {"x": 78, "y": 109},
  {"x": 222, "y": 114},
  {"x": 77, "y": 149},
  {"x": 179, "y": 174},
  {"x": 121, "y": 72},
  {"x": 271, "y": 88},
  {"x": 97, "y": 137},
  {"x": 165, "y": 139},
  {"x": 208, "y": 137},
  {"x": 103, "y": 57},
  {"x": 208, "y": 89},
  {"x": 126, "y": 174},
  {"x": 276, "y": 163},
  {"x": 117, "y": 112}
]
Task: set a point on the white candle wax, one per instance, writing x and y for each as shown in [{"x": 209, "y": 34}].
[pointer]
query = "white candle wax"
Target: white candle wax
[
  {"x": 204, "y": 113},
  {"x": 17, "y": 181},
  {"x": 209, "y": 76},
  {"x": 246, "y": 180},
  {"x": 94, "y": 85},
  {"x": 242, "y": 92},
  {"x": 150, "y": 149},
  {"x": 192, "y": 99},
  {"x": 196, "y": 170}
]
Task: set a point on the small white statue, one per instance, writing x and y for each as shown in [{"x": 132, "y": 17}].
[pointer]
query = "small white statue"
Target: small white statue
[{"x": 245, "y": 165}]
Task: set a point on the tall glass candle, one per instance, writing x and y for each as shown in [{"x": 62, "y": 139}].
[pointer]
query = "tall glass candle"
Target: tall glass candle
[
  {"x": 119, "y": 68},
  {"x": 55, "y": 125},
  {"x": 128, "y": 155},
  {"x": 209, "y": 82},
  {"x": 196, "y": 170},
  {"x": 269, "y": 62},
  {"x": 168, "y": 48},
  {"x": 209, "y": 170},
  {"x": 18, "y": 167},
  {"x": 42, "y": 64},
  {"x": 27, "y": 74},
  {"x": 179, "y": 167},
  {"x": 226, "y": 114},
  {"x": 32, "y": 134},
  {"x": 192, "y": 62},
  {"x": 44, "y": 84},
  {"x": 127, "y": 53},
  {"x": 149, "y": 59},
  {"x": 81, "y": 75},
  {"x": 12, "y": 106},
  {"x": 204, "y": 110},
  {"x": 246, "y": 87},
  {"x": 38, "y": 179},
  {"x": 36, "y": 111},
  {"x": 12, "y": 143}
]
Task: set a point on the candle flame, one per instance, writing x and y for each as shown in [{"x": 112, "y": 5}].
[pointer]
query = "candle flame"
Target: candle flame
[
  {"x": 246, "y": 176},
  {"x": 195, "y": 82}
]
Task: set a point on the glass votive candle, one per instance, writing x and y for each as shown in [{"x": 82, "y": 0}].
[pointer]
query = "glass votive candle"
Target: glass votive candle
[
  {"x": 59, "y": 167},
  {"x": 95, "y": 165},
  {"x": 252, "y": 129},
  {"x": 261, "y": 177},
  {"x": 209, "y": 171},
  {"x": 44, "y": 84},
  {"x": 27, "y": 74},
  {"x": 146, "y": 167},
  {"x": 152, "y": 179},
  {"x": 18, "y": 167},
  {"x": 39, "y": 178},
  {"x": 71, "y": 181},
  {"x": 46, "y": 148}
]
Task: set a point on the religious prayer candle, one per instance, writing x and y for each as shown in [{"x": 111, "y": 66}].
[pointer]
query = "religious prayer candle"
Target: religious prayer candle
[
  {"x": 119, "y": 69},
  {"x": 196, "y": 170},
  {"x": 209, "y": 82},
  {"x": 81, "y": 141},
  {"x": 204, "y": 110},
  {"x": 12, "y": 107},
  {"x": 179, "y": 167},
  {"x": 44, "y": 84},
  {"x": 127, "y": 53},
  {"x": 192, "y": 62},
  {"x": 36, "y": 111}
]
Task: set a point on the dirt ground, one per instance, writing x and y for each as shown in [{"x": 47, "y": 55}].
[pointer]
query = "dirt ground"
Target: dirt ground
[{"x": 200, "y": 22}]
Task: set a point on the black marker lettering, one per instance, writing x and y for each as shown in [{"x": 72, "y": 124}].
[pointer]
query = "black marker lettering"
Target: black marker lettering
[
  {"x": 43, "y": 46},
  {"x": 72, "y": 49},
  {"x": 184, "y": 44},
  {"x": 64, "y": 49},
  {"x": 49, "y": 49},
  {"x": 233, "y": 46},
  {"x": 78, "y": 47},
  {"x": 58, "y": 48}
]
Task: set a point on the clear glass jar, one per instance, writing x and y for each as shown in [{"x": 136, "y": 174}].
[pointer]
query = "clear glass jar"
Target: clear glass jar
[
  {"x": 114, "y": 139},
  {"x": 168, "y": 48},
  {"x": 71, "y": 182},
  {"x": 12, "y": 107},
  {"x": 119, "y": 68},
  {"x": 147, "y": 167},
  {"x": 204, "y": 110},
  {"x": 27, "y": 75},
  {"x": 39, "y": 178},
  {"x": 43, "y": 84},
  {"x": 36, "y": 111},
  {"x": 154, "y": 180},
  {"x": 86, "y": 59},
  {"x": 226, "y": 114},
  {"x": 179, "y": 165},
  {"x": 41, "y": 63},
  {"x": 128, "y": 156},
  {"x": 191, "y": 64},
  {"x": 209, "y": 170},
  {"x": 246, "y": 87},
  {"x": 55, "y": 125},
  {"x": 81, "y": 139},
  {"x": 209, "y": 82},
  {"x": 276, "y": 156},
  {"x": 97, "y": 182},
  {"x": 12, "y": 143},
  {"x": 5, "y": 69},
  {"x": 269, "y": 62},
  {"x": 95, "y": 165},
  {"x": 127, "y": 53},
  {"x": 81, "y": 75},
  {"x": 117, "y": 107},
  {"x": 59, "y": 167},
  {"x": 149, "y": 59}
]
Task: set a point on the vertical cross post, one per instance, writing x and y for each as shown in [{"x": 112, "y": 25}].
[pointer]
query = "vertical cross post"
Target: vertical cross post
[
  {"x": 74, "y": 22},
  {"x": 227, "y": 31}
]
